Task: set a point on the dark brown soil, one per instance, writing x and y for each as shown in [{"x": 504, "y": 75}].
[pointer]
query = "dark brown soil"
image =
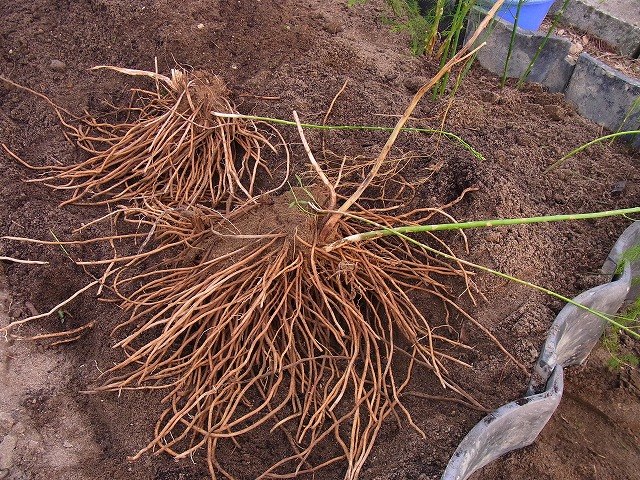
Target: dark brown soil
[{"x": 296, "y": 55}]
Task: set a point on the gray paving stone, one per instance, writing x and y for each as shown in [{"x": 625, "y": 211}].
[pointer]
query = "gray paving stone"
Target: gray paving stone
[
  {"x": 604, "y": 95},
  {"x": 551, "y": 69},
  {"x": 617, "y": 22}
]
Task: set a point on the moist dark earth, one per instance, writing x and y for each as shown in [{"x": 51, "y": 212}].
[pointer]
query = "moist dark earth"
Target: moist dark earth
[{"x": 277, "y": 57}]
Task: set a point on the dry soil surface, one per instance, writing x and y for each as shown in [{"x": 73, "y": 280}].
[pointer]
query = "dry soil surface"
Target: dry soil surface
[{"x": 296, "y": 55}]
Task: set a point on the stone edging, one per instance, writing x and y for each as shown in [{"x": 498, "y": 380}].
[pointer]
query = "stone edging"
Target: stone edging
[
  {"x": 599, "y": 92},
  {"x": 571, "y": 338},
  {"x": 605, "y": 21}
]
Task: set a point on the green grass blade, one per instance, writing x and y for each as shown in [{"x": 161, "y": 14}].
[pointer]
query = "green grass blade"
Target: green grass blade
[
  {"x": 587, "y": 145},
  {"x": 487, "y": 223},
  {"x": 544, "y": 42},
  {"x": 512, "y": 43},
  {"x": 439, "y": 253},
  {"x": 448, "y": 135}
]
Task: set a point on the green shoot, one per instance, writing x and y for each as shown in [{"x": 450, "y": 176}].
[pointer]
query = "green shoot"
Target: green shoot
[
  {"x": 301, "y": 203},
  {"x": 544, "y": 42},
  {"x": 450, "y": 45},
  {"x": 435, "y": 24},
  {"x": 618, "y": 360},
  {"x": 611, "y": 340},
  {"x": 635, "y": 108},
  {"x": 419, "y": 28},
  {"x": 512, "y": 42},
  {"x": 399, "y": 232},
  {"x": 63, "y": 315},
  {"x": 629, "y": 256},
  {"x": 479, "y": 224},
  {"x": 408, "y": 18},
  {"x": 450, "y": 136},
  {"x": 587, "y": 145},
  {"x": 425, "y": 28},
  {"x": 61, "y": 246}
]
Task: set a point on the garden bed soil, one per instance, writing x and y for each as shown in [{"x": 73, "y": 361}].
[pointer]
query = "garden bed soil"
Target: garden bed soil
[{"x": 296, "y": 55}]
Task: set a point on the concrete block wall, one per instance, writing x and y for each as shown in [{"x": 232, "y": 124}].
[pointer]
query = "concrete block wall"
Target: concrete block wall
[
  {"x": 552, "y": 68},
  {"x": 597, "y": 91},
  {"x": 605, "y": 96}
]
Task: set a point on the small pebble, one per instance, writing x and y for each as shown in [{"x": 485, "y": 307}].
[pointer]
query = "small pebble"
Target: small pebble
[
  {"x": 619, "y": 188},
  {"x": 413, "y": 84},
  {"x": 559, "y": 198},
  {"x": 7, "y": 449},
  {"x": 333, "y": 27},
  {"x": 555, "y": 112},
  {"x": 490, "y": 97},
  {"x": 6, "y": 422},
  {"x": 200, "y": 26},
  {"x": 493, "y": 237},
  {"x": 57, "y": 66},
  {"x": 67, "y": 444},
  {"x": 533, "y": 353},
  {"x": 18, "y": 428},
  {"x": 576, "y": 48}
]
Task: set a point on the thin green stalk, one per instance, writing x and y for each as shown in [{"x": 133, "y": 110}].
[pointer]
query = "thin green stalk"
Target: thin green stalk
[
  {"x": 433, "y": 33},
  {"x": 544, "y": 42},
  {"x": 463, "y": 74},
  {"x": 467, "y": 67},
  {"x": 450, "y": 44},
  {"x": 479, "y": 224},
  {"x": 457, "y": 26},
  {"x": 61, "y": 246},
  {"x": 486, "y": 34},
  {"x": 511, "y": 44},
  {"x": 592, "y": 142},
  {"x": 449, "y": 135},
  {"x": 392, "y": 231}
]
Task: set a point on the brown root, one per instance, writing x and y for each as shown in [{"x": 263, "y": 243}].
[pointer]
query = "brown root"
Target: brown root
[
  {"x": 169, "y": 149},
  {"x": 243, "y": 316},
  {"x": 265, "y": 327}
]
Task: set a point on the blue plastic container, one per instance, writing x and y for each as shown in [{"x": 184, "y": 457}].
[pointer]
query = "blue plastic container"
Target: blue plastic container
[{"x": 532, "y": 12}]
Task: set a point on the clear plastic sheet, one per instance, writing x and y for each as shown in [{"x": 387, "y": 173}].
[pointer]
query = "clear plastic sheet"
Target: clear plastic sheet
[{"x": 572, "y": 335}]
